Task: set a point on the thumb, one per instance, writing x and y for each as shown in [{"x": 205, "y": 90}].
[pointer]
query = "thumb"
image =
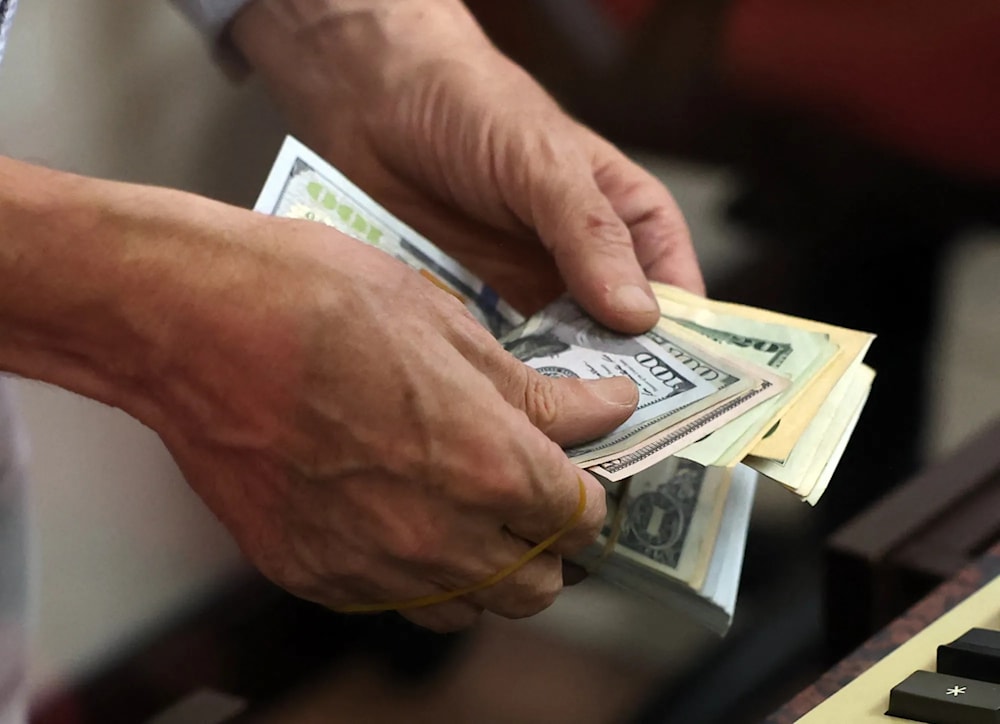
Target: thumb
[
  {"x": 593, "y": 249},
  {"x": 570, "y": 411}
]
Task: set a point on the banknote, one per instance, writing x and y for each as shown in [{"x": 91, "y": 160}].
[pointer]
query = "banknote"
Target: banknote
[
  {"x": 661, "y": 528},
  {"x": 809, "y": 467},
  {"x": 669, "y": 519},
  {"x": 713, "y": 380},
  {"x": 797, "y": 354},
  {"x": 301, "y": 185},
  {"x": 852, "y": 345},
  {"x": 677, "y": 439},
  {"x": 683, "y": 388}
]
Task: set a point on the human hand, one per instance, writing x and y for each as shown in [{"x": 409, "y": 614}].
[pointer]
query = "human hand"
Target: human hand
[
  {"x": 364, "y": 439},
  {"x": 360, "y": 435},
  {"x": 413, "y": 103}
]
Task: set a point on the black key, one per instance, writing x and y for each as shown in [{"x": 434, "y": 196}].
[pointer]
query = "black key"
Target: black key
[
  {"x": 943, "y": 699},
  {"x": 975, "y": 655}
]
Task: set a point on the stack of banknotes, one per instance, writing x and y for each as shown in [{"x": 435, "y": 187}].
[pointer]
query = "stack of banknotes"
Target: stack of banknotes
[{"x": 729, "y": 394}]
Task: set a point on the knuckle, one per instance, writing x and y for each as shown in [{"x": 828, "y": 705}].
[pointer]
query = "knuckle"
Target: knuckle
[
  {"x": 352, "y": 565},
  {"x": 293, "y": 578},
  {"x": 284, "y": 566},
  {"x": 541, "y": 400},
  {"x": 608, "y": 230},
  {"x": 533, "y": 593},
  {"x": 556, "y": 475},
  {"x": 594, "y": 515},
  {"x": 599, "y": 234},
  {"x": 502, "y": 485},
  {"x": 590, "y": 525},
  {"x": 415, "y": 545},
  {"x": 511, "y": 378},
  {"x": 547, "y": 594},
  {"x": 510, "y": 492},
  {"x": 460, "y": 319},
  {"x": 325, "y": 581},
  {"x": 537, "y": 599}
]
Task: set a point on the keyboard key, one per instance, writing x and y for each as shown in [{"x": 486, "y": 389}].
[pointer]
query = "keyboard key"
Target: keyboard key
[
  {"x": 944, "y": 699},
  {"x": 974, "y": 655}
]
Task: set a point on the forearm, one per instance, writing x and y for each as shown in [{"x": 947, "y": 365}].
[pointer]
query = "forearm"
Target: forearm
[
  {"x": 99, "y": 284},
  {"x": 65, "y": 257}
]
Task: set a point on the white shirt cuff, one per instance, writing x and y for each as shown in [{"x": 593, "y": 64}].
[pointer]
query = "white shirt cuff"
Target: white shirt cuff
[{"x": 211, "y": 16}]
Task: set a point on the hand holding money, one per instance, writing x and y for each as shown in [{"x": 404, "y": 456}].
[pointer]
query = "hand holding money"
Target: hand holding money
[
  {"x": 389, "y": 447},
  {"x": 358, "y": 431},
  {"x": 715, "y": 381},
  {"x": 412, "y": 102}
]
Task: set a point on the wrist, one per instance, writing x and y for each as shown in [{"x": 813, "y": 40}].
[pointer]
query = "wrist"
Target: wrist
[
  {"x": 347, "y": 55},
  {"x": 53, "y": 252}
]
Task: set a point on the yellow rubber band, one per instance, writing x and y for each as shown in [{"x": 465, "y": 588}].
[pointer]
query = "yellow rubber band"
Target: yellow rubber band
[
  {"x": 616, "y": 528},
  {"x": 491, "y": 581}
]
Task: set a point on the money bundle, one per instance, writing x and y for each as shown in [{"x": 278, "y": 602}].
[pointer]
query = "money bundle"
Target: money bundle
[{"x": 727, "y": 394}]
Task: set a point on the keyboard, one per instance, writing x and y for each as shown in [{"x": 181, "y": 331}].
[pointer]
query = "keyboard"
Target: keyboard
[{"x": 940, "y": 676}]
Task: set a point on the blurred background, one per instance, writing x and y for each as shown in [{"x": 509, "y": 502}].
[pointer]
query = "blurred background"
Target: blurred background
[{"x": 835, "y": 159}]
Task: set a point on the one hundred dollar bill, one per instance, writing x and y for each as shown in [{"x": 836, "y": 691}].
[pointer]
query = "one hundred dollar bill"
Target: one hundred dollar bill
[
  {"x": 301, "y": 185},
  {"x": 685, "y": 390},
  {"x": 677, "y": 438}
]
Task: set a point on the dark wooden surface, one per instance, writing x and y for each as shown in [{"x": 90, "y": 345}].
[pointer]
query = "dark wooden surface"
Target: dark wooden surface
[{"x": 915, "y": 538}]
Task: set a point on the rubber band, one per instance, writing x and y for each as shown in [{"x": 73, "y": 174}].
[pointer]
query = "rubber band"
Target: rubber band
[
  {"x": 616, "y": 528},
  {"x": 491, "y": 581}
]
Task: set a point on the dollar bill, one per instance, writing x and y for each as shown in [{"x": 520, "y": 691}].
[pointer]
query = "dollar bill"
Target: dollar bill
[
  {"x": 669, "y": 516},
  {"x": 712, "y": 379},
  {"x": 659, "y": 536},
  {"x": 677, "y": 439},
  {"x": 811, "y": 464},
  {"x": 685, "y": 390},
  {"x": 301, "y": 185},
  {"x": 798, "y": 354},
  {"x": 852, "y": 346}
]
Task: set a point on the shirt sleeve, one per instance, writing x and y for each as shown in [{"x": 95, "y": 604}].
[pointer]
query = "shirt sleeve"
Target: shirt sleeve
[{"x": 211, "y": 16}]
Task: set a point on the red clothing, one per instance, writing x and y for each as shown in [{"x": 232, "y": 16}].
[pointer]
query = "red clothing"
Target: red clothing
[{"x": 921, "y": 77}]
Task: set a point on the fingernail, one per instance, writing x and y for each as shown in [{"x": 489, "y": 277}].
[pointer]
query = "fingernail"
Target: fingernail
[
  {"x": 618, "y": 391},
  {"x": 632, "y": 299}
]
